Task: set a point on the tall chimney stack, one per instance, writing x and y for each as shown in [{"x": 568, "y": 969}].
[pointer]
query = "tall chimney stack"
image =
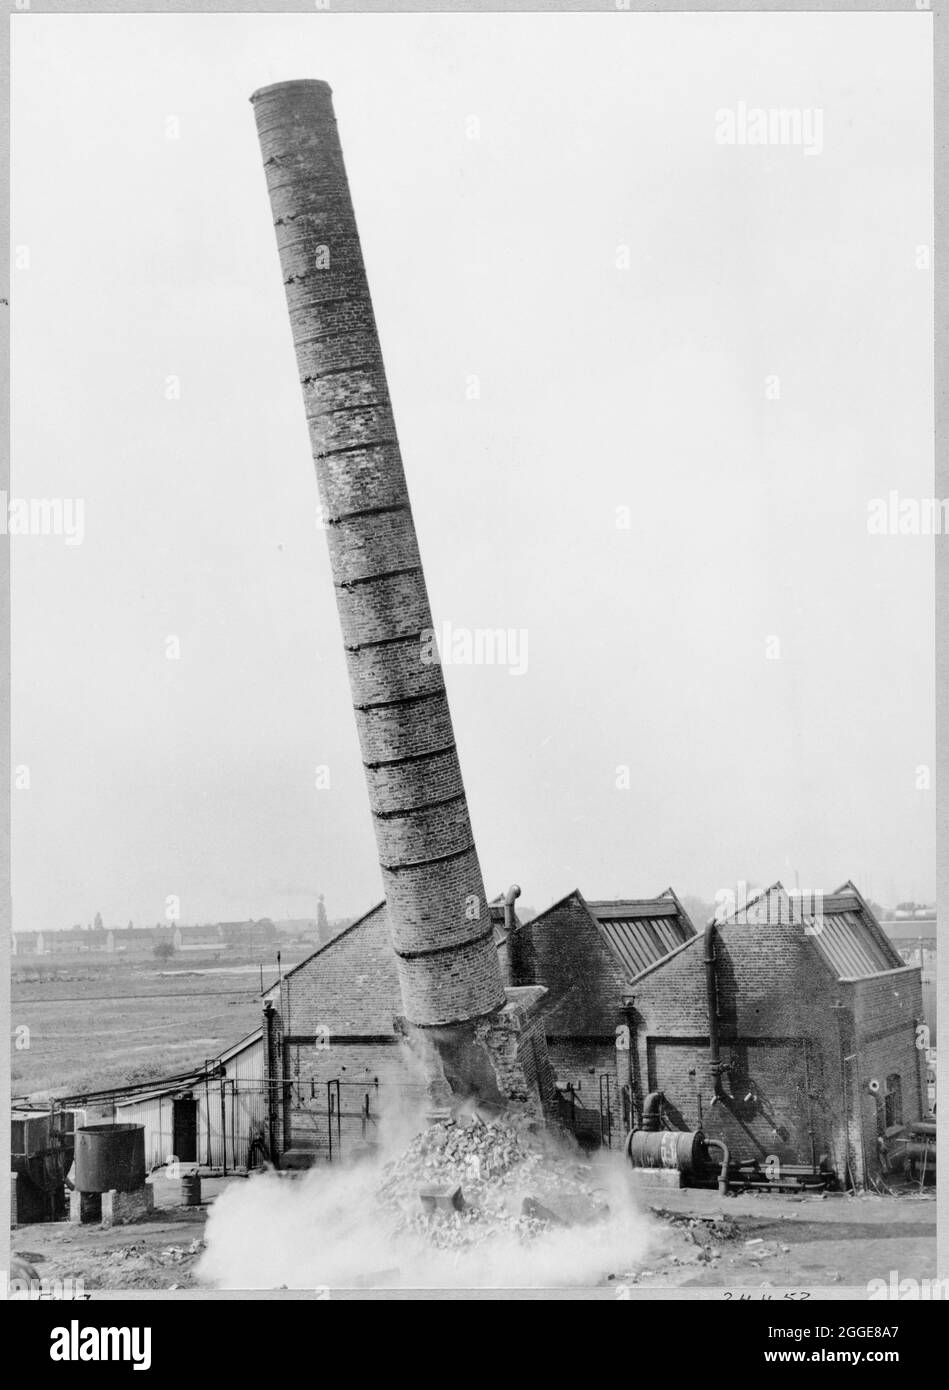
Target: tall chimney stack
[{"x": 439, "y": 918}]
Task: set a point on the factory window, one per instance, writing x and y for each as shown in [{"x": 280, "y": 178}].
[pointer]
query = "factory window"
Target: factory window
[{"x": 893, "y": 1100}]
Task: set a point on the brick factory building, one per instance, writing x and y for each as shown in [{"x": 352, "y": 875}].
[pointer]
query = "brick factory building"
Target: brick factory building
[
  {"x": 586, "y": 954},
  {"x": 789, "y": 1029},
  {"x": 816, "y": 1022}
]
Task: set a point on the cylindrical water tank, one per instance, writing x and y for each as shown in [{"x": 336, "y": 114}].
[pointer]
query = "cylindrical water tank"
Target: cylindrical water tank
[
  {"x": 110, "y": 1158},
  {"x": 666, "y": 1148}
]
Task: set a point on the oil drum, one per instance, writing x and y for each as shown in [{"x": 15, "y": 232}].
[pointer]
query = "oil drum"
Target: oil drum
[
  {"x": 666, "y": 1148},
  {"x": 191, "y": 1189}
]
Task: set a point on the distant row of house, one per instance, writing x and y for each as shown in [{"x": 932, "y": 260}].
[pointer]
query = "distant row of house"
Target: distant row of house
[
  {"x": 143, "y": 940},
  {"x": 250, "y": 935}
]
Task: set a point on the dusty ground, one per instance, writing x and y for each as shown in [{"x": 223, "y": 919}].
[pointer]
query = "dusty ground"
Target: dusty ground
[
  {"x": 703, "y": 1240},
  {"x": 790, "y": 1242}
]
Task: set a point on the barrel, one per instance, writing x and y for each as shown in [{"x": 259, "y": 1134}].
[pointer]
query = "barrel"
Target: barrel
[
  {"x": 666, "y": 1148},
  {"x": 191, "y": 1189},
  {"x": 110, "y": 1158}
]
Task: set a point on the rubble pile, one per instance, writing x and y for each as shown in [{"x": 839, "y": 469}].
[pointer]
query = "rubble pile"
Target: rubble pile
[{"x": 512, "y": 1183}]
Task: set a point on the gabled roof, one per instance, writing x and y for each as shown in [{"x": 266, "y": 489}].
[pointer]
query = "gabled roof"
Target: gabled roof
[
  {"x": 637, "y": 932},
  {"x": 327, "y": 946},
  {"x": 839, "y": 925},
  {"x": 641, "y": 931},
  {"x": 236, "y": 1048},
  {"x": 850, "y": 938},
  {"x": 496, "y": 909}
]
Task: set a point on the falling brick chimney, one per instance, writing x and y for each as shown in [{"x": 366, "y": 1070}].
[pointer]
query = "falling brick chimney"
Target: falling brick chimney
[{"x": 438, "y": 914}]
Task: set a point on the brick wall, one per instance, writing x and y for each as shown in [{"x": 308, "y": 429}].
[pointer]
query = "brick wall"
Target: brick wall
[
  {"x": 563, "y": 950},
  {"x": 885, "y": 1010},
  {"x": 777, "y": 1033},
  {"x": 581, "y": 1062},
  {"x": 386, "y": 1073},
  {"x": 337, "y": 1021},
  {"x": 349, "y": 987}
]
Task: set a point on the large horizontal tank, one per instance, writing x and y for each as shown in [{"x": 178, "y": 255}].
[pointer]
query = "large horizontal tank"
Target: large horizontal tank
[{"x": 666, "y": 1148}]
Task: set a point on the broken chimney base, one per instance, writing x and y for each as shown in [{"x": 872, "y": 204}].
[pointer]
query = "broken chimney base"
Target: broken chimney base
[{"x": 498, "y": 1063}]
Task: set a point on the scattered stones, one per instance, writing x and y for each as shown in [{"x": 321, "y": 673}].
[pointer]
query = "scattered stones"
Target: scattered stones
[{"x": 513, "y": 1184}]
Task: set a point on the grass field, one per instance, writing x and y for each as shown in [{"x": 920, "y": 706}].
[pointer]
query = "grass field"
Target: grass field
[{"x": 99, "y": 1023}]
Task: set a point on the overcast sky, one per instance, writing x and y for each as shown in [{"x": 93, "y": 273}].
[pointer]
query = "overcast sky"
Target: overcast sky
[{"x": 139, "y": 193}]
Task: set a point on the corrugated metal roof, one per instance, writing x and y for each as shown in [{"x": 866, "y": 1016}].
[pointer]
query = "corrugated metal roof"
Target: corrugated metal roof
[
  {"x": 848, "y": 944},
  {"x": 641, "y": 933}
]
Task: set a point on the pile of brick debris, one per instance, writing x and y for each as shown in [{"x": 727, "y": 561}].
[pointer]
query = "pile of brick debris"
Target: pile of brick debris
[{"x": 461, "y": 1183}]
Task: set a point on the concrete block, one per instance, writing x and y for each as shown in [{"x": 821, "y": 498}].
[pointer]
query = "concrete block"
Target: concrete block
[
  {"x": 119, "y": 1208},
  {"x": 441, "y": 1198}
]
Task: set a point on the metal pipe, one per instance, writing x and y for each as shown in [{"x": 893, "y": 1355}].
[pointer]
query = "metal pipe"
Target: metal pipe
[
  {"x": 223, "y": 1127},
  {"x": 919, "y": 1056},
  {"x": 207, "y": 1108},
  {"x": 711, "y": 999},
  {"x": 630, "y": 1061},
  {"x": 510, "y": 896},
  {"x": 723, "y": 1174},
  {"x": 652, "y": 1110},
  {"x": 807, "y": 1103},
  {"x": 271, "y": 1098}
]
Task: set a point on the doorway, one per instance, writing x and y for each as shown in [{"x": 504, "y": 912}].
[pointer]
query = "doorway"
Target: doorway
[{"x": 185, "y": 1129}]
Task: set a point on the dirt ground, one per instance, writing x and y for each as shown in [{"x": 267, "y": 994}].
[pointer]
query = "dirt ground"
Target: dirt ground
[
  {"x": 794, "y": 1242},
  {"x": 98, "y": 1020},
  {"x": 703, "y": 1240}
]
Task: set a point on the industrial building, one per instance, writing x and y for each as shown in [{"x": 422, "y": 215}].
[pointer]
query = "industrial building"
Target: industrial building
[
  {"x": 209, "y": 1116},
  {"x": 586, "y": 954},
  {"x": 788, "y": 1030}
]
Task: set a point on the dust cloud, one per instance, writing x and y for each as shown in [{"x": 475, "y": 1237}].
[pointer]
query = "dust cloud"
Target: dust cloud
[{"x": 363, "y": 1226}]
